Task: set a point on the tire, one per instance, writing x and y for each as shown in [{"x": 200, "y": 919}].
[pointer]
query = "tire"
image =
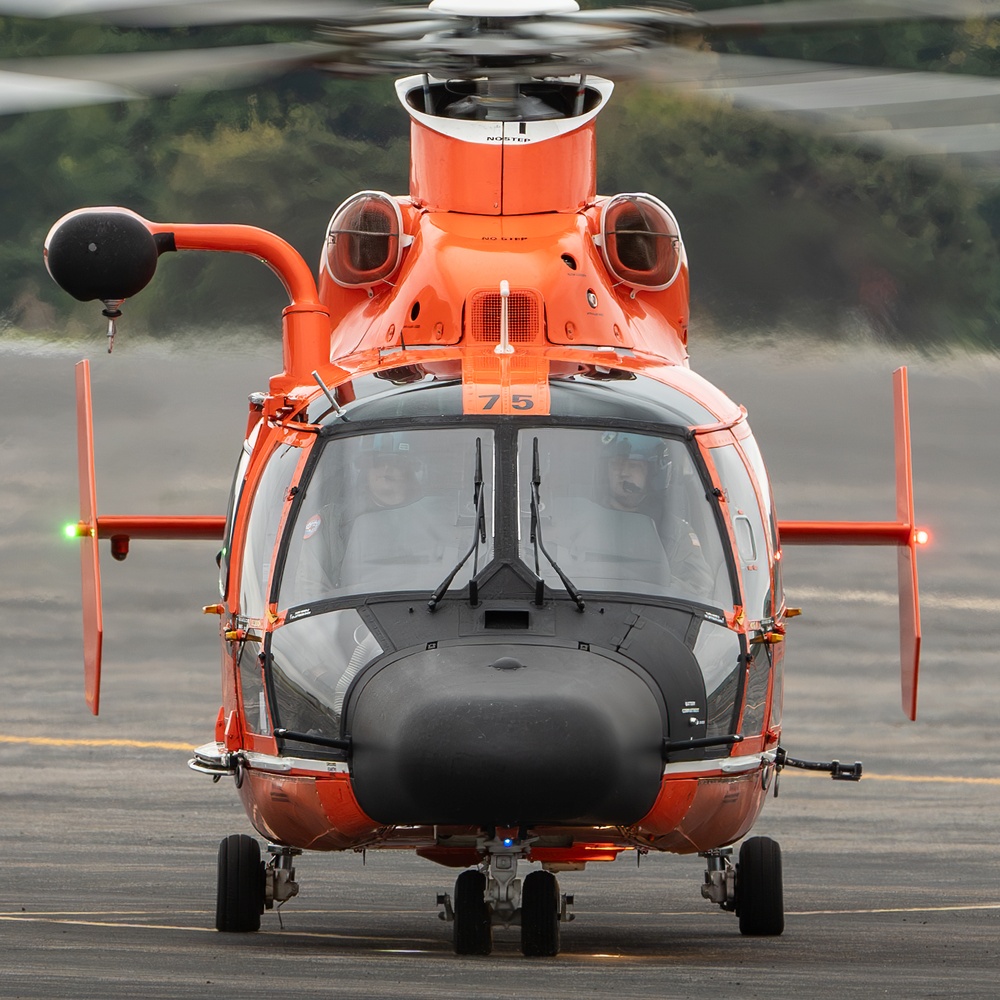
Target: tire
[
  {"x": 239, "y": 900},
  {"x": 540, "y": 915},
  {"x": 759, "y": 897},
  {"x": 472, "y": 927}
]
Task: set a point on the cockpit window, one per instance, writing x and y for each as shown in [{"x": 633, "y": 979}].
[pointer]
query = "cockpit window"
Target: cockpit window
[
  {"x": 622, "y": 512},
  {"x": 392, "y": 511},
  {"x": 269, "y": 504},
  {"x": 744, "y": 509}
]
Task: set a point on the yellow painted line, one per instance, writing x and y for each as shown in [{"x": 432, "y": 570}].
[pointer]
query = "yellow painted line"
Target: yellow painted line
[
  {"x": 916, "y": 779},
  {"x": 107, "y": 923},
  {"x": 138, "y": 925},
  {"x": 51, "y": 741},
  {"x": 929, "y": 779}
]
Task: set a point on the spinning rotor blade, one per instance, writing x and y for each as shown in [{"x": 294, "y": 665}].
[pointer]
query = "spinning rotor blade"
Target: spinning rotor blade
[
  {"x": 838, "y": 13},
  {"x": 518, "y": 39},
  {"x": 25, "y": 92},
  {"x": 184, "y": 13},
  {"x": 160, "y": 72},
  {"x": 909, "y": 111}
]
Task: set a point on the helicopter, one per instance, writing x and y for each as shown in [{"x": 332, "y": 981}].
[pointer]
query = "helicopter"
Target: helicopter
[{"x": 500, "y": 575}]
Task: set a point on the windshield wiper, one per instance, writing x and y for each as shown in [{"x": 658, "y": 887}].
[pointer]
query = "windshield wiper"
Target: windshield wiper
[
  {"x": 479, "y": 535},
  {"x": 536, "y": 532}
]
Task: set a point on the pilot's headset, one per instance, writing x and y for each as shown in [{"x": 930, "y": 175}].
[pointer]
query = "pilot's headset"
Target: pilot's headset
[
  {"x": 394, "y": 446},
  {"x": 653, "y": 451}
]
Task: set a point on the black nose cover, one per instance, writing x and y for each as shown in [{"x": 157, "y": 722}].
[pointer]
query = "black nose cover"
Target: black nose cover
[{"x": 505, "y": 735}]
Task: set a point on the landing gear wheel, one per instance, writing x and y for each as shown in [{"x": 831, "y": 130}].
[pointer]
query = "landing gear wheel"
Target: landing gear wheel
[
  {"x": 540, "y": 915},
  {"x": 239, "y": 901},
  {"x": 473, "y": 930},
  {"x": 759, "y": 902}
]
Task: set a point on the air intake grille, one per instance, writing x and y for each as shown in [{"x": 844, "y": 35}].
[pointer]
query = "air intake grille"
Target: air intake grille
[{"x": 524, "y": 316}]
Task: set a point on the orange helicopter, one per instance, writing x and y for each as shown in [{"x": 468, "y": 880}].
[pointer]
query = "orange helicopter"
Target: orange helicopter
[{"x": 500, "y": 575}]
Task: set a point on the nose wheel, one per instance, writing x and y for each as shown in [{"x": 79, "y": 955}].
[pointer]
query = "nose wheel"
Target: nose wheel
[
  {"x": 473, "y": 930},
  {"x": 541, "y": 907},
  {"x": 493, "y": 894}
]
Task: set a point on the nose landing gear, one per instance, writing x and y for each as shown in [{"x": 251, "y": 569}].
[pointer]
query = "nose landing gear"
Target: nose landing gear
[{"x": 492, "y": 894}]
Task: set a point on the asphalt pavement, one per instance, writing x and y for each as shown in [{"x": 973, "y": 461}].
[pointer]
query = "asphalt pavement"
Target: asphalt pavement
[{"x": 892, "y": 885}]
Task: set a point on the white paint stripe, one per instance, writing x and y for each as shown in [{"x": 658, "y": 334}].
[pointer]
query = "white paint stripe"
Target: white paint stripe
[
  {"x": 889, "y": 598},
  {"x": 718, "y": 766}
]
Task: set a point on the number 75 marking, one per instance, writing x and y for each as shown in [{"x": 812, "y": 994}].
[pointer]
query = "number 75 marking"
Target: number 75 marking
[{"x": 519, "y": 401}]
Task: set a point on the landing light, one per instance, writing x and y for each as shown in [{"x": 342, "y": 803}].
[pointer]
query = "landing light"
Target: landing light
[{"x": 921, "y": 536}]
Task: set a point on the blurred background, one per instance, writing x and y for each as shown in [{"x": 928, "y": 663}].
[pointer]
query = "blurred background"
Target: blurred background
[{"x": 786, "y": 230}]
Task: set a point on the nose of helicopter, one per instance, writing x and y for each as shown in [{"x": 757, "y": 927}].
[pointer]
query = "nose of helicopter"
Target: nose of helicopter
[{"x": 505, "y": 735}]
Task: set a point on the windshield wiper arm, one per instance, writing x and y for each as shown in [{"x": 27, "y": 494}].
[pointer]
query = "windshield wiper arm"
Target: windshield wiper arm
[
  {"x": 536, "y": 531},
  {"x": 479, "y": 535}
]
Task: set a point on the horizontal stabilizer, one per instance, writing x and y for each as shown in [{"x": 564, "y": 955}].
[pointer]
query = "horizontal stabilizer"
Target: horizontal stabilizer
[
  {"x": 120, "y": 529},
  {"x": 902, "y": 532}
]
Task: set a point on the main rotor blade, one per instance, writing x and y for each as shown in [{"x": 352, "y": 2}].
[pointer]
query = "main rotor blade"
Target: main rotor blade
[
  {"x": 913, "y": 112},
  {"x": 101, "y": 78},
  {"x": 21, "y": 92},
  {"x": 175, "y": 13},
  {"x": 817, "y": 13}
]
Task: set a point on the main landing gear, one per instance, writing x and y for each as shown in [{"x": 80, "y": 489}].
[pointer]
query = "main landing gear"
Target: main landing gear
[
  {"x": 752, "y": 889},
  {"x": 247, "y": 886},
  {"x": 493, "y": 894}
]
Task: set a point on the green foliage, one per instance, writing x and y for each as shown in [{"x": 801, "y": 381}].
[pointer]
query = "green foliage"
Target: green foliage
[
  {"x": 263, "y": 157},
  {"x": 783, "y": 228}
]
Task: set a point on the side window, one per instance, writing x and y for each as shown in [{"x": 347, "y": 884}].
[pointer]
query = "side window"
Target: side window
[
  {"x": 748, "y": 527},
  {"x": 752, "y": 452},
  {"x": 255, "y": 709},
  {"x": 270, "y": 503},
  {"x": 235, "y": 493}
]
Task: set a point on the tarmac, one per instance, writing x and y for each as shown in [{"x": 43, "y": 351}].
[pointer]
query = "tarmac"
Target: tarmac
[{"x": 892, "y": 885}]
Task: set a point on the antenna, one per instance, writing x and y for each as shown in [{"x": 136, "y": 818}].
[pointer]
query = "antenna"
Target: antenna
[
  {"x": 326, "y": 392},
  {"x": 504, "y": 346}
]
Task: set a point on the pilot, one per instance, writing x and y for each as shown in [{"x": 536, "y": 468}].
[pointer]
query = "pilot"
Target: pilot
[
  {"x": 389, "y": 473},
  {"x": 635, "y": 476},
  {"x": 388, "y": 476}
]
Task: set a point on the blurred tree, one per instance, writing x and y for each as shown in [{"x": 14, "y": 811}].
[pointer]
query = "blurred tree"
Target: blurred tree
[{"x": 781, "y": 228}]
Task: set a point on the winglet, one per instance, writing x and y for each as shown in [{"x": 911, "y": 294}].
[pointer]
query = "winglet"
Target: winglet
[
  {"x": 909, "y": 604},
  {"x": 90, "y": 567}
]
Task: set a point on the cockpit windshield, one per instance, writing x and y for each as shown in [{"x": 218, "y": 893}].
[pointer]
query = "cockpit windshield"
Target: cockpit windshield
[
  {"x": 620, "y": 511},
  {"x": 392, "y": 511}
]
